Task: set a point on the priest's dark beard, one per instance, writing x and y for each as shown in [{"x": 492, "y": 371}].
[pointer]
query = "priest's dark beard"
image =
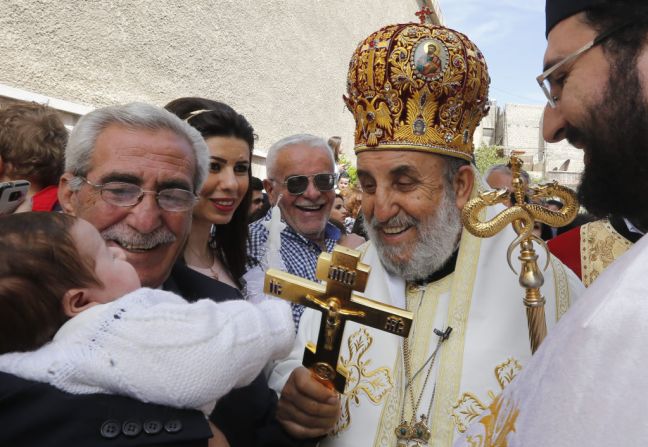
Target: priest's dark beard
[
  {"x": 615, "y": 137},
  {"x": 438, "y": 236}
]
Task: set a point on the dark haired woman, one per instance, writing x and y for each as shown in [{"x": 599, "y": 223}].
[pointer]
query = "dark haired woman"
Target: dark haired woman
[
  {"x": 216, "y": 248},
  {"x": 219, "y": 251}
]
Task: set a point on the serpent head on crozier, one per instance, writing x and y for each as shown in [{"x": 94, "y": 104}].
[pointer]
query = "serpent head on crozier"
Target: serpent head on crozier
[
  {"x": 518, "y": 215},
  {"x": 553, "y": 218}
]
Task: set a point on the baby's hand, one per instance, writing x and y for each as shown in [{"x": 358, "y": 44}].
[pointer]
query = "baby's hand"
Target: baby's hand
[{"x": 218, "y": 440}]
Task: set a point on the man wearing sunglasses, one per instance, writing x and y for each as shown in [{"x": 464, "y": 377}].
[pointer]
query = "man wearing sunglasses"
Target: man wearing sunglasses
[
  {"x": 585, "y": 384},
  {"x": 301, "y": 180}
]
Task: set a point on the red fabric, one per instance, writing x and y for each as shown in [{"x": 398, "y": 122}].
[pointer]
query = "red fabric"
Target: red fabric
[
  {"x": 566, "y": 247},
  {"x": 45, "y": 199}
]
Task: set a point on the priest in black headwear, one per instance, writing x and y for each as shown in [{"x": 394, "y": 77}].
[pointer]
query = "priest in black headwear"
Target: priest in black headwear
[{"x": 586, "y": 384}]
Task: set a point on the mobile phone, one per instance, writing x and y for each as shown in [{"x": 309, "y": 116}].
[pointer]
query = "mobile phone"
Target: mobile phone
[{"x": 12, "y": 194}]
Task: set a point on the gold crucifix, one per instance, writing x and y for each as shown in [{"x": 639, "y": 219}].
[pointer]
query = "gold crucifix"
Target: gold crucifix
[{"x": 344, "y": 274}]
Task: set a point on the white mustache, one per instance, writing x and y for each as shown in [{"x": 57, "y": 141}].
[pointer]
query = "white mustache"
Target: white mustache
[{"x": 128, "y": 237}]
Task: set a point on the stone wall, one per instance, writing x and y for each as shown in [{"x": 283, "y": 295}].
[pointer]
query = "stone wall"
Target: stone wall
[
  {"x": 522, "y": 131},
  {"x": 281, "y": 63},
  {"x": 522, "y": 127}
]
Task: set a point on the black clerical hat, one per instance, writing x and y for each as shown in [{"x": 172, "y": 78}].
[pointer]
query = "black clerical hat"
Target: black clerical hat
[{"x": 558, "y": 10}]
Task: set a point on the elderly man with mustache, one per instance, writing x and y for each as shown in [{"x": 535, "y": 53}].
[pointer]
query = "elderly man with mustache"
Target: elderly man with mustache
[{"x": 133, "y": 171}]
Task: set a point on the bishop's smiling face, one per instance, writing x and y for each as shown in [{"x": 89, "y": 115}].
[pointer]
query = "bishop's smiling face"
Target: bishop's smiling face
[
  {"x": 411, "y": 215},
  {"x": 307, "y": 213}
]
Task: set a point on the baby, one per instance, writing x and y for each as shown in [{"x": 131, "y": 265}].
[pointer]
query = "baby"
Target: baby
[{"x": 73, "y": 314}]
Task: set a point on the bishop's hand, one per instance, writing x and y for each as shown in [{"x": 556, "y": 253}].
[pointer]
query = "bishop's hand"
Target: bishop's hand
[{"x": 307, "y": 409}]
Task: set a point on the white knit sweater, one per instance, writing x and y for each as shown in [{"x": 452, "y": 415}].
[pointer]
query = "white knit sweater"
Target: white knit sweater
[{"x": 154, "y": 346}]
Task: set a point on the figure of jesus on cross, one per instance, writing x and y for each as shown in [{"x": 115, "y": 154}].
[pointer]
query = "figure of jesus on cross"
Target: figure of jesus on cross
[{"x": 344, "y": 274}]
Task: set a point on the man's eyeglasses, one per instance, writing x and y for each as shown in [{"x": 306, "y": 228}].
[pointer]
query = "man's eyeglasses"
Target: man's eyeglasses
[
  {"x": 544, "y": 80},
  {"x": 129, "y": 194},
  {"x": 297, "y": 184}
]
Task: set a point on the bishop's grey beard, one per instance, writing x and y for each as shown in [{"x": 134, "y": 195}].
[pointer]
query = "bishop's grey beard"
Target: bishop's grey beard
[{"x": 437, "y": 240}]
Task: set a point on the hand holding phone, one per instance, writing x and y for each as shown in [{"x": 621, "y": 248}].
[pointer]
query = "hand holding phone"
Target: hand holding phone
[{"x": 12, "y": 194}]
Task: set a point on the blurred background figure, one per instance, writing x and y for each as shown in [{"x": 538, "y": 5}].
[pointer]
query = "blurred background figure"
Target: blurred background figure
[
  {"x": 548, "y": 232},
  {"x": 32, "y": 145},
  {"x": 353, "y": 204},
  {"x": 335, "y": 143},
  {"x": 259, "y": 203},
  {"x": 500, "y": 177},
  {"x": 342, "y": 183},
  {"x": 339, "y": 213},
  {"x": 216, "y": 244},
  {"x": 347, "y": 205}
]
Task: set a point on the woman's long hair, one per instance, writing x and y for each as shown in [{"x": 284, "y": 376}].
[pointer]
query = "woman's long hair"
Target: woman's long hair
[{"x": 216, "y": 119}]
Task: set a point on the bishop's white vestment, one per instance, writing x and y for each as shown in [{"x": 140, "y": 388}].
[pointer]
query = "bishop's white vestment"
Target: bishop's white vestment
[
  {"x": 489, "y": 344},
  {"x": 587, "y": 383}
]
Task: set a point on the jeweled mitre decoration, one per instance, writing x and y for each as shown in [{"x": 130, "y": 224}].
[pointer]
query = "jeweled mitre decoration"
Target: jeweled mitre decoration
[{"x": 417, "y": 87}]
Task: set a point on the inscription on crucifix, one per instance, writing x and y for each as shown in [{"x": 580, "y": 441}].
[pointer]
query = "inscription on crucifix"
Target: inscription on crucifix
[{"x": 344, "y": 274}]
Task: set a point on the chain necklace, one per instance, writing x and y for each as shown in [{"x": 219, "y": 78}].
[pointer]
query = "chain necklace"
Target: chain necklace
[{"x": 412, "y": 433}]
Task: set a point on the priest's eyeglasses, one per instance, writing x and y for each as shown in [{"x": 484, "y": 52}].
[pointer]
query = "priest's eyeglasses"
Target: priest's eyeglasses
[
  {"x": 129, "y": 194},
  {"x": 545, "y": 81},
  {"x": 297, "y": 184}
]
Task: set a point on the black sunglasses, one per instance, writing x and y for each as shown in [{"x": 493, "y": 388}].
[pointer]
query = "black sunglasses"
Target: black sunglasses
[{"x": 297, "y": 184}]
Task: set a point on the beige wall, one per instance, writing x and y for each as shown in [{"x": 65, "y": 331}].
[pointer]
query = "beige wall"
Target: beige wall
[
  {"x": 524, "y": 132},
  {"x": 281, "y": 63}
]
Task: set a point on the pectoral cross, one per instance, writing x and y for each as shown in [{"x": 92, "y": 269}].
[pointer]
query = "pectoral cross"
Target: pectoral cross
[{"x": 344, "y": 274}]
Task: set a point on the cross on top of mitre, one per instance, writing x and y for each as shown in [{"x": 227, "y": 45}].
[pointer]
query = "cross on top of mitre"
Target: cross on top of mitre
[{"x": 424, "y": 14}]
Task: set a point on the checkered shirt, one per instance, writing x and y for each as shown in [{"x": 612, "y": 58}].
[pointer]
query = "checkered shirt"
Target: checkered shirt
[{"x": 299, "y": 254}]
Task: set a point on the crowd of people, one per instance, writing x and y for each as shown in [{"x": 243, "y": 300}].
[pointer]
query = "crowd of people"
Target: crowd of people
[{"x": 132, "y": 305}]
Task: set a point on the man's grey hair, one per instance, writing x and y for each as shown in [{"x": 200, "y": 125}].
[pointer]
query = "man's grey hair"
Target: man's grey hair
[
  {"x": 305, "y": 139},
  {"x": 136, "y": 115},
  {"x": 451, "y": 168},
  {"x": 504, "y": 169}
]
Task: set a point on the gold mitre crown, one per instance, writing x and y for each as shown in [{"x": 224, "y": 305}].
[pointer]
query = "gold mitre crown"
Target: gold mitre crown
[{"x": 417, "y": 87}]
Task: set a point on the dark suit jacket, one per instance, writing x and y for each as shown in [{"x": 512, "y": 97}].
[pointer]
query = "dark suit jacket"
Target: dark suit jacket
[
  {"x": 246, "y": 415},
  {"x": 37, "y": 414}
]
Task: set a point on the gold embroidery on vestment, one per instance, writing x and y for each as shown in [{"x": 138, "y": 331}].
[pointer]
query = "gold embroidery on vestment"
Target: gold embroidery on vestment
[
  {"x": 600, "y": 245},
  {"x": 425, "y": 315},
  {"x": 375, "y": 384},
  {"x": 451, "y": 360},
  {"x": 498, "y": 423},
  {"x": 469, "y": 406},
  {"x": 561, "y": 286}
]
